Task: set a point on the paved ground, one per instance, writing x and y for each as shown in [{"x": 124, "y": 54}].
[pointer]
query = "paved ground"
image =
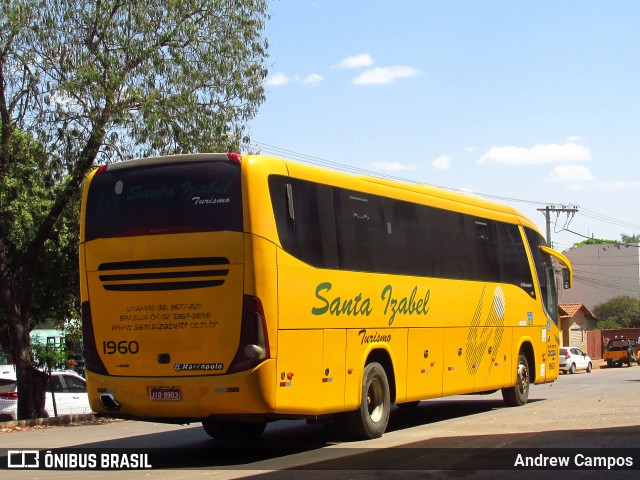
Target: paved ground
[
  {"x": 585, "y": 413},
  {"x": 42, "y": 423}
]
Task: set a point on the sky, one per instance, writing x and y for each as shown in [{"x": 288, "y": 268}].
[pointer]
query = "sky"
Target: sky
[{"x": 534, "y": 103}]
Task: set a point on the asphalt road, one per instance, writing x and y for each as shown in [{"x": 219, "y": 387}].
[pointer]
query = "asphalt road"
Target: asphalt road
[{"x": 579, "y": 417}]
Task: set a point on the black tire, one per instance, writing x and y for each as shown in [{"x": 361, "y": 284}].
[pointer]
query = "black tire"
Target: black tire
[
  {"x": 518, "y": 395},
  {"x": 572, "y": 370},
  {"x": 229, "y": 430},
  {"x": 372, "y": 418},
  {"x": 589, "y": 367}
]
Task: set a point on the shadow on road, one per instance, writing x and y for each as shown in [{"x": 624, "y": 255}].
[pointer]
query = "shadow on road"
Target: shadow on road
[{"x": 294, "y": 445}]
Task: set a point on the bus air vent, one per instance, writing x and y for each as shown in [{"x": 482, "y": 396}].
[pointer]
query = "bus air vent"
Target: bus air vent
[{"x": 164, "y": 274}]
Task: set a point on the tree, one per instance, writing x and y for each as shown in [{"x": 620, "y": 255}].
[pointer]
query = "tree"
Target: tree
[
  {"x": 608, "y": 324},
  {"x": 623, "y": 311},
  {"x": 634, "y": 238},
  {"x": 48, "y": 357},
  {"x": 27, "y": 194},
  {"x": 102, "y": 80},
  {"x": 595, "y": 241}
]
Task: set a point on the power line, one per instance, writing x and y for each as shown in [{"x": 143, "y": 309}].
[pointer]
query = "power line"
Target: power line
[
  {"x": 313, "y": 160},
  {"x": 607, "y": 219},
  {"x": 272, "y": 149}
]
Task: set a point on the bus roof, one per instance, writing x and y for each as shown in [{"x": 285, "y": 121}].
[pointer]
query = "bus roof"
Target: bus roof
[
  {"x": 404, "y": 190},
  {"x": 419, "y": 192}
]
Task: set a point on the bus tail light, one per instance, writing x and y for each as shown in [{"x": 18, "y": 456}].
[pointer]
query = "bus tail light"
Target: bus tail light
[
  {"x": 92, "y": 360},
  {"x": 235, "y": 158},
  {"x": 253, "y": 346}
]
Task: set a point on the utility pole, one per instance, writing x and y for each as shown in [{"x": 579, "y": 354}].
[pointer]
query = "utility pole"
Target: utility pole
[{"x": 557, "y": 209}]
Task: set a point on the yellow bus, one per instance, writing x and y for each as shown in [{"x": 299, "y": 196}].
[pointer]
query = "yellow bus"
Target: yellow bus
[{"x": 234, "y": 290}]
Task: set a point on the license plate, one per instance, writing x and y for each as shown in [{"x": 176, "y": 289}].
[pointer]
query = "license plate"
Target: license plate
[{"x": 165, "y": 393}]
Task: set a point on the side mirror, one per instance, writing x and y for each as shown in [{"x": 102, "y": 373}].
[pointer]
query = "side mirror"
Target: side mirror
[{"x": 566, "y": 278}]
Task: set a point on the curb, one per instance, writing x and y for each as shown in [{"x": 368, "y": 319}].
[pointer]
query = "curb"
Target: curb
[{"x": 50, "y": 421}]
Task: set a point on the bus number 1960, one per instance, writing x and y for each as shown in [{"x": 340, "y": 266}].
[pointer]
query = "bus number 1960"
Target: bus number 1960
[{"x": 123, "y": 347}]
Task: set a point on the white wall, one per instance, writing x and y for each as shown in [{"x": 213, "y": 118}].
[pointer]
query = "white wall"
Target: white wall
[{"x": 602, "y": 272}]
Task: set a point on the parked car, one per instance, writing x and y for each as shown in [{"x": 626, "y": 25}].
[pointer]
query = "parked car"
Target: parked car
[
  {"x": 67, "y": 387},
  {"x": 573, "y": 359}
]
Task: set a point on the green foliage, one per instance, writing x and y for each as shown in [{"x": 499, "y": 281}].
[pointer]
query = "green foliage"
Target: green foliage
[
  {"x": 595, "y": 241},
  {"x": 624, "y": 311},
  {"x": 95, "y": 81},
  {"x": 608, "y": 324},
  {"x": 163, "y": 76},
  {"x": 635, "y": 238},
  {"x": 49, "y": 356},
  {"x": 27, "y": 195},
  {"x": 624, "y": 238}
]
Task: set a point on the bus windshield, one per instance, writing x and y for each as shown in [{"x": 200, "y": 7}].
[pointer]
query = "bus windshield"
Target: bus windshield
[
  {"x": 546, "y": 276},
  {"x": 164, "y": 198}
]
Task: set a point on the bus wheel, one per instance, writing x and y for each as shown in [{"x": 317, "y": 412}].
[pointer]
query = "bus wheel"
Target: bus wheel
[
  {"x": 371, "y": 419},
  {"x": 519, "y": 394},
  {"x": 230, "y": 430}
]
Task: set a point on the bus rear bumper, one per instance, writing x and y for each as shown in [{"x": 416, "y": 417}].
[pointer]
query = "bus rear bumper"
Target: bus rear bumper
[{"x": 183, "y": 399}]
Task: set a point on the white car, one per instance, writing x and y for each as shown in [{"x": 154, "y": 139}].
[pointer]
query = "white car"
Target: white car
[
  {"x": 573, "y": 359},
  {"x": 69, "y": 392}
]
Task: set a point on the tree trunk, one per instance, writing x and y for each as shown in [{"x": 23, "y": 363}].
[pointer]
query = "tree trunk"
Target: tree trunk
[
  {"x": 5, "y": 343},
  {"x": 31, "y": 382}
]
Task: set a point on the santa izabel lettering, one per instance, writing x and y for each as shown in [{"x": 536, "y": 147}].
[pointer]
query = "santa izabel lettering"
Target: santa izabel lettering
[{"x": 391, "y": 303}]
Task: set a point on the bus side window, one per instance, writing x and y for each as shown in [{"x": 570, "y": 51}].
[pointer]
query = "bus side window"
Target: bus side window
[
  {"x": 544, "y": 269},
  {"x": 448, "y": 244},
  {"x": 514, "y": 263},
  {"x": 406, "y": 248},
  {"x": 360, "y": 231},
  {"x": 327, "y": 224},
  {"x": 305, "y": 220},
  {"x": 483, "y": 243},
  {"x": 281, "y": 194}
]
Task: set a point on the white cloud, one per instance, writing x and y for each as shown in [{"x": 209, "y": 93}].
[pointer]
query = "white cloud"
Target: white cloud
[
  {"x": 357, "y": 61},
  {"x": 571, "y": 173},
  {"x": 280, "y": 79},
  {"x": 385, "y": 75},
  {"x": 620, "y": 184},
  {"x": 277, "y": 80},
  {"x": 393, "y": 166},
  {"x": 312, "y": 80},
  {"x": 536, "y": 155},
  {"x": 442, "y": 162}
]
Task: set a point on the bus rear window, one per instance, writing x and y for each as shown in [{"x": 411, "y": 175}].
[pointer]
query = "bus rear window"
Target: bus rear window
[{"x": 164, "y": 198}]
